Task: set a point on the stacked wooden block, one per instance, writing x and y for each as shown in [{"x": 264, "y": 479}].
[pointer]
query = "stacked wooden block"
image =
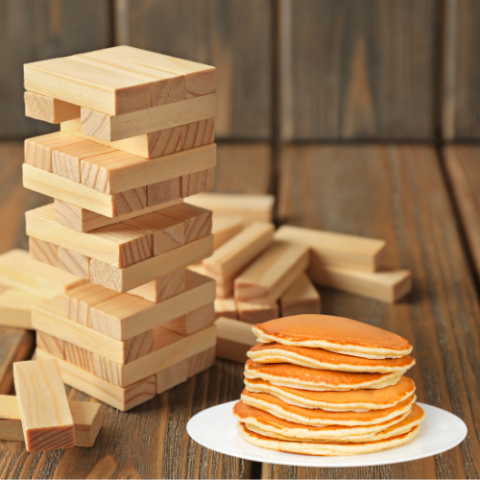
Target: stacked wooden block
[{"x": 136, "y": 138}]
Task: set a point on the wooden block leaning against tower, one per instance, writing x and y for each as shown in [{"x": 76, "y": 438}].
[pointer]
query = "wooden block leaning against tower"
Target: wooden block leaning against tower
[{"x": 136, "y": 138}]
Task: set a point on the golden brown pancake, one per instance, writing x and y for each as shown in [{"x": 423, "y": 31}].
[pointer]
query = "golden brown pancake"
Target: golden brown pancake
[
  {"x": 354, "y": 400},
  {"x": 336, "y": 334},
  {"x": 318, "y": 417},
  {"x": 325, "y": 449},
  {"x": 326, "y": 360},
  {"x": 293, "y": 376}
]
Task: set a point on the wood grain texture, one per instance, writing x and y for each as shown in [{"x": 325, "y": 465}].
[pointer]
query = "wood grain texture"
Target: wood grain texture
[
  {"x": 42, "y": 251},
  {"x": 162, "y": 287},
  {"x": 344, "y": 73},
  {"x": 212, "y": 32}
]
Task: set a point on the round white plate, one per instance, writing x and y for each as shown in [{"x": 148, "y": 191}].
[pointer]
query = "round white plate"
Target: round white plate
[{"x": 216, "y": 428}]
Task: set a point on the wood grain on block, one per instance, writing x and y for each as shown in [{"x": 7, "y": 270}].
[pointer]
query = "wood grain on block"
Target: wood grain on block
[
  {"x": 193, "y": 321},
  {"x": 49, "y": 109},
  {"x": 118, "y": 127},
  {"x": 18, "y": 270},
  {"x": 337, "y": 249},
  {"x": 43, "y": 251},
  {"x": 47, "y": 422},
  {"x": 198, "y": 182},
  {"x": 87, "y": 419},
  {"x": 123, "y": 316},
  {"x": 271, "y": 274},
  {"x": 76, "y": 193},
  {"x": 234, "y": 339},
  {"x": 122, "y": 399},
  {"x": 256, "y": 313},
  {"x": 253, "y": 208},
  {"x": 170, "y": 348},
  {"x": 119, "y": 245},
  {"x": 160, "y": 192},
  {"x": 73, "y": 262},
  {"x": 387, "y": 285},
  {"x": 301, "y": 298},
  {"x": 224, "y": 227},
  {"x": 225, "y": 307},
  {"x": 162, "y": 287},
  {"x": 154, "y": 144},
  {"x": 16, "y": 308}
]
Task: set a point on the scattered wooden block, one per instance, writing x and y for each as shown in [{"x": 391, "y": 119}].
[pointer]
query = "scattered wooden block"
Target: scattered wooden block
[
  {"x": 47, "y": 422},
  {"x": 49, "y": 109},
  {"x": 87, "y": 419},
  {"x": 223, "y": 289},
  {"x": 226, "y": 307},
  {"x": 128, "y": 278},
  {"x": 44, "y": 252},
  {"x": 16, "y": 308},
  {"x": 19, "y": 271},
  {"x": 73, "y": 262},
  {"x": 85, "y": 197},
  {"x": 224, "y": 227},
  {"x": 255, "y": 313},
  {"x": 124, "y": 316},
  {"x": 329, "y": 249},
  {"x": 300, "y": 299},
  {"x": 118, "y": 127},
  {"x": 198, "y": 182},
  {"x": 234, "y": 339},
  {"x": 122, "y": 399},
  {"x": 154, "y": 144},
  {"x": 162, "y": 287},
  {"x": 193, "y": 321},
  {"x": 387, "y": 286},
  {"x": 252, "y": 208}
]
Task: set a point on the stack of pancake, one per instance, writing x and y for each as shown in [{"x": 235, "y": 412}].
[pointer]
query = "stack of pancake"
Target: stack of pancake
[{"x": 323, "y": 385}]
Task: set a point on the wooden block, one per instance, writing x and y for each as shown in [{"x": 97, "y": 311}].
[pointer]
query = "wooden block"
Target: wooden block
[
  {"x": 73, "y": 262},
  {"x": 252, "y": 208},
  {"x": 300, "y": 299},
  {"x": 162, "y": 287},
  {"x": 234, "y": 339},
  {"x": 122, "y": 399},
  {"x": 387, "y": 286},
  {"x": 118, "y": 127},
  {"x": 255, "y": 313},
  {"x": 170, "y": 349},
  {"x": 224, "y": 227},
  {"x": 193, "y": 321},
  {"x": 225, "y": 307},
  {"x": 44, "y": 252},
  {"x": 47, "y": 422},
  {"x": 198, "y": 182},
  {"x": 19, "y": 271},
  {"x": 49, "y": 109},
  {"x": 16, "y": 308},
  {"x": 119, "y": 245},
  {"x": 85, "y": 197},
  {"x": 223, "y": 289},
  {"x": 87, "y": 419},
  {"x": 84, "y": 220},
  {"x": 160, "y": 192},
  {"x": 271, "y": 274},
  {"x": 155, "y": 144},
  {"x": 128, "y": 278},
  {"x": 124, "y": 316}
]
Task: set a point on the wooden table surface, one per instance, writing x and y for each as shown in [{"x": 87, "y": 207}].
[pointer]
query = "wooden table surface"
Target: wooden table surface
[{"x": 410, "y": 196}]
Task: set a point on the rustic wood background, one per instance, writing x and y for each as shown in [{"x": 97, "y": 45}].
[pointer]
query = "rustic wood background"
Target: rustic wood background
[{"x": 363, "y": 117}]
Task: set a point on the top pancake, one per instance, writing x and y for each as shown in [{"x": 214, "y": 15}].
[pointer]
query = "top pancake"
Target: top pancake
[
  {"x": 336, "y": 334},
  {"x": 326, "y": 360}
]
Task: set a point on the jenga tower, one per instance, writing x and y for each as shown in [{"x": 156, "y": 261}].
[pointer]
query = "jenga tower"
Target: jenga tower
[{"x": 136, "y": 138}]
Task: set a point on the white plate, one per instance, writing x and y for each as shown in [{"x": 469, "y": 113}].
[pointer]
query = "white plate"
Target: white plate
[{"x": 216, "y": 428}]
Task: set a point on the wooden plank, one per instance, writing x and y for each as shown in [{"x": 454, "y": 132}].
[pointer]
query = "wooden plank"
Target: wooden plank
[
  {"x": 16, "y": 308},
  {"x": 162, "y": 287},
  {"x": 300, "y": 299},
  {"x": 154, "y": 144},
  {"x": 141, "y": 122},
  {"x": 272, "y": 273},
  {"x": 159, "y": 193},
  {"x": 224, "y": 227},
  {"x": 198, "y": 182},
  {"x": 44, "y": 252},
  {"x": 234, "y": 339},
  {"x": 49, "y": 109},
  {"x": 73, "y": 262},
  {"x": 87, "y": 419},
  {"x": 47, "y": 422},
  {"x": 226, "y": 308},
  {"x": 256, "y": 313},
  {"x": 360, "y": 97},
  {"x": 193, "y": 321}
]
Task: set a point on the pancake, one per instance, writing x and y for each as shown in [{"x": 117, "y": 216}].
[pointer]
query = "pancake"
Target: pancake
[
  {"x": 319, "y": 417},
  {"x": 355, "y": 400},
  {"x": 414, "y": 418},
  {"x": 293, "y": 376},
  {"x": 336, "y": 334},
  {"x": 296, "y": 431},
  {"x": 326, "y": 360},
  {"x": 325, "y": 449}
]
